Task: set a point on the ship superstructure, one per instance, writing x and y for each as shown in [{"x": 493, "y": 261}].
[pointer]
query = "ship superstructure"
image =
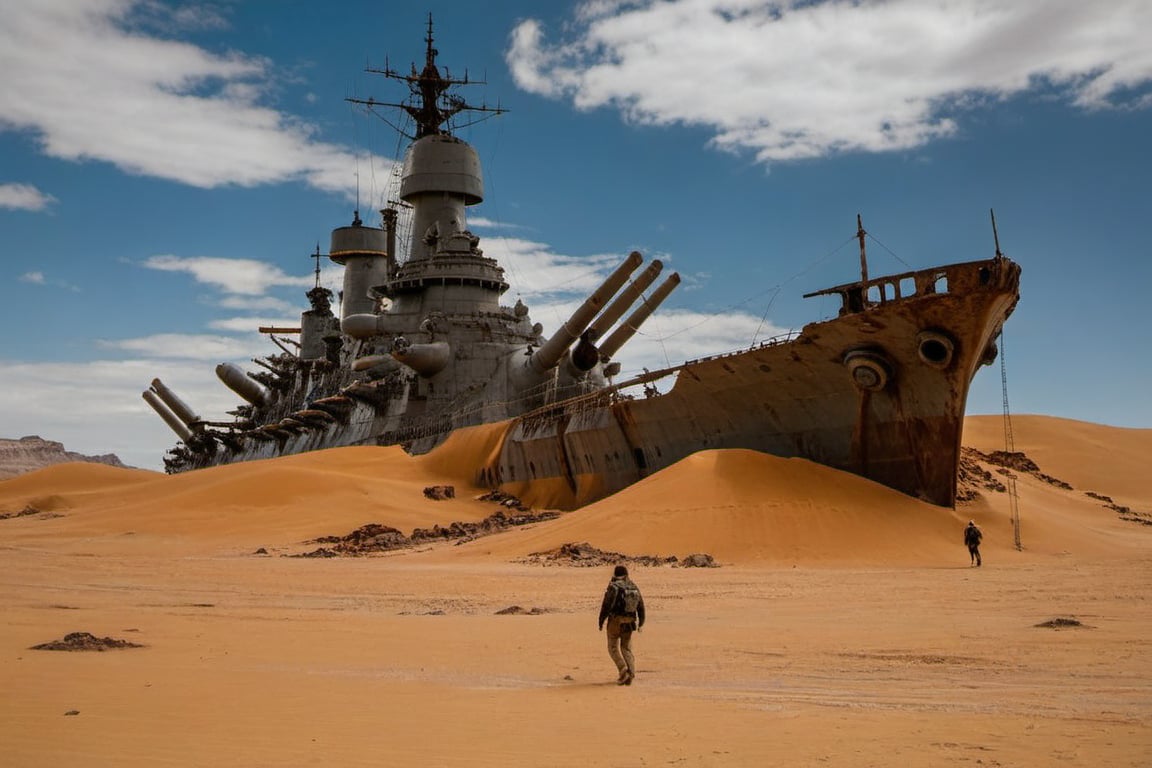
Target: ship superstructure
[
  {"x": 423, "y": 346},
  {"x": 420, "y": 347}
]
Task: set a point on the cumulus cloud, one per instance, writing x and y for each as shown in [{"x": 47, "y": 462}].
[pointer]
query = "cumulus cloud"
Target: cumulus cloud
[
  {"x": 262, "y": 303},
  {"x": 234, "y": 276},
  {"x": 24, "y": 197},
  {"x": 804, "y": 79},
  {"x": 539, "y": 273},
  {"x": 191, "y": 346},
  {"x": 150, "y": 105},
  {"x": 252, "y": 324}
]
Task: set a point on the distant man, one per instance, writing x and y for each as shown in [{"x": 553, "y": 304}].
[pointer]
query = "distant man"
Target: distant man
[
  {"x": 623, "y": 609},
  {"x": 972, "y": 536}
]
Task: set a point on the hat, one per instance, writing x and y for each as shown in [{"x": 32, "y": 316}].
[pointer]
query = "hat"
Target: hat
[
  {"x": 621, "y": 570},
  {"x": 971, "y": 522}
]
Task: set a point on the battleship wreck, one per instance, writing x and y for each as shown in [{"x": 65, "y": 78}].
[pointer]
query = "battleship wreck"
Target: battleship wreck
[{"x": 422, "y": 347}]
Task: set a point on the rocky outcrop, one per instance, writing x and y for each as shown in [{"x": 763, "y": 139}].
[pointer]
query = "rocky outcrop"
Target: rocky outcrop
[{"x": 33, "y": 452}]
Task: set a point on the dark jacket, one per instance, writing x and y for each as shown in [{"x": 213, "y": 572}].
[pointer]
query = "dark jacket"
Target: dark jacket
[
  {"x": 972, "y": 536},
  {"x": 610, "y": 600}
]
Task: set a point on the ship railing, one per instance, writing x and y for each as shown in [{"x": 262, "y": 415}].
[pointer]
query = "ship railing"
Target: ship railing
[
  {"x": 774, "y": 341},
  {"x": 858, "y": 296}
]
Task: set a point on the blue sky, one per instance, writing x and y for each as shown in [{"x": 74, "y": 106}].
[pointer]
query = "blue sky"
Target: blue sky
[{"x": 167, "y": 168}]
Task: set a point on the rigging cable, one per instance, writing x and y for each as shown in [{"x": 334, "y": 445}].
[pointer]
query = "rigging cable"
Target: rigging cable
[
  {"x": 890, "y": 251},
  {"x": 1009, "y": 446},
  {"x": 774, "y": 289}
]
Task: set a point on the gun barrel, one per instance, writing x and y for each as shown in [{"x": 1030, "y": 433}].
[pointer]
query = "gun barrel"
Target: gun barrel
[
  {"x": 426, "y": 359},
  {"x": 552, "y": 350},
  {"x": 625, "y": 300},
  {"x": 178, "y": 406},
  {"x": 165, "y": 413},
  {"x": 236, "y": 380},
  {"x": 619, "y": 337}
]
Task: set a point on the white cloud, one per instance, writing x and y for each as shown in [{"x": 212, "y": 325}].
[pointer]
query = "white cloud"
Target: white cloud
[
  {"x": 485, "y": 222},
  {"x": 263, "y": 303},
  {"x": 192, "y": 346},
  {"x": 251, "y": 324},
  {"x": 152, "y": 106},
  {"x": 538, "y": 273},
  {"x": 247, "y": 277},
  {"x": 24, "y": 197},
  {"x": 801, "y": 79},
  {"x": 39, "y": 278}
]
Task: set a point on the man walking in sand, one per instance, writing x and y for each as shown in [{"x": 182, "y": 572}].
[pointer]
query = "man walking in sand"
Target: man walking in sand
[
  {"x": 623, "y": 610},
  {"x": 972, "y": 536}
]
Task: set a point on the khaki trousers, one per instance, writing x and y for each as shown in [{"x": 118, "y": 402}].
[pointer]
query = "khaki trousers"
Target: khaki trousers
[{"x": 620, "y": 642}]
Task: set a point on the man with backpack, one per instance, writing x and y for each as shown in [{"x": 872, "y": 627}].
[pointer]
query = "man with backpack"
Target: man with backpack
[
  {"x": 972, "y": 537},
  {"x": 623, "y": 610}
]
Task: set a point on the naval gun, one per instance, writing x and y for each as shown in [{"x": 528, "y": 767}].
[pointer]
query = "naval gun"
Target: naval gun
[
  {"x": 165, "y": 413},
  {"x": 629, "y": 327},
  {"x": 239, "y": 382},
  {"x": 174, "y": 411},
  {"x": 585, "y": 355},
  {"x": 540, "y": 362}
]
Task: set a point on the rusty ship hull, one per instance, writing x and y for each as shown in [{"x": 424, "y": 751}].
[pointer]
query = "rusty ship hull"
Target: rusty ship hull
[
  {"x": 422, "y": 346},
  {"x": 797, "y": 397}
]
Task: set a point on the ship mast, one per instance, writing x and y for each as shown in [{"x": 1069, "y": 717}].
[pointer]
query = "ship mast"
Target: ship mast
[
  {"x": 995, "y": 236},
  {"x": 431, "y": 106},
  {"x": 860, "y": 233}
]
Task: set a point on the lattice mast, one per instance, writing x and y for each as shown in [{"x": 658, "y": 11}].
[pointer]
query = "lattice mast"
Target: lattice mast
[{"x": 431, "y": 105}]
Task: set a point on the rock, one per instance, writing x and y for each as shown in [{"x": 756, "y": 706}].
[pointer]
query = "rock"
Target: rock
[
  {"x": 698, "y": 561},
  {"x": 33, "y": 452},
  {"x": 515, "y": 610},
  {"x": 1060, "y": 622},
  {"x": 84, "y": 641}
]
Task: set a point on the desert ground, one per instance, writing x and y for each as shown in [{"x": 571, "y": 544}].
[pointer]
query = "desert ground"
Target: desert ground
[{"x": 843, "y": 626}]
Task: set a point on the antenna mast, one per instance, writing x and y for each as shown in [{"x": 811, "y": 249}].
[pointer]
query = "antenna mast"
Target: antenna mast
[
  {"x": 430, "y": 105},
  {"x": 860, "y": 233},
  {"x": 317, "y": 257},
  {"x": 995, "y": 236}
]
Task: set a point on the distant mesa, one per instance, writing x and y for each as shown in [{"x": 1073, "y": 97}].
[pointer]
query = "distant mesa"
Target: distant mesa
[{"x": 33, "y": 452}]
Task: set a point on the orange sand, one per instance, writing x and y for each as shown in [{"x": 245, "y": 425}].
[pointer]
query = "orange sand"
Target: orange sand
[{"x": 844, "y": 627}]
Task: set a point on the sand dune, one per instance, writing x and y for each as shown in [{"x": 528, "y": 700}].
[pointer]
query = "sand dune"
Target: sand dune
[
  {"x": 1091, "y": 457},
  {"x": 736, "y": 505},
  {"x": 844, "y": 628},
  {"x": 258, "y": 503},
  {"x": 739, "y": 505}
]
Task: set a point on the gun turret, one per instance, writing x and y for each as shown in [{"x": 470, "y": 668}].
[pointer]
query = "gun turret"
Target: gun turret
[
  {"x": 385, "y": 362},
  {"x": 426, "y": 359},
  {"x": 619, "y": 337},
  {"x": 552, "y": 350}
]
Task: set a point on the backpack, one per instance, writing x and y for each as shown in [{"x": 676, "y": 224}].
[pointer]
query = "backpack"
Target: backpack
[{"x": 627, "y": 598}]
